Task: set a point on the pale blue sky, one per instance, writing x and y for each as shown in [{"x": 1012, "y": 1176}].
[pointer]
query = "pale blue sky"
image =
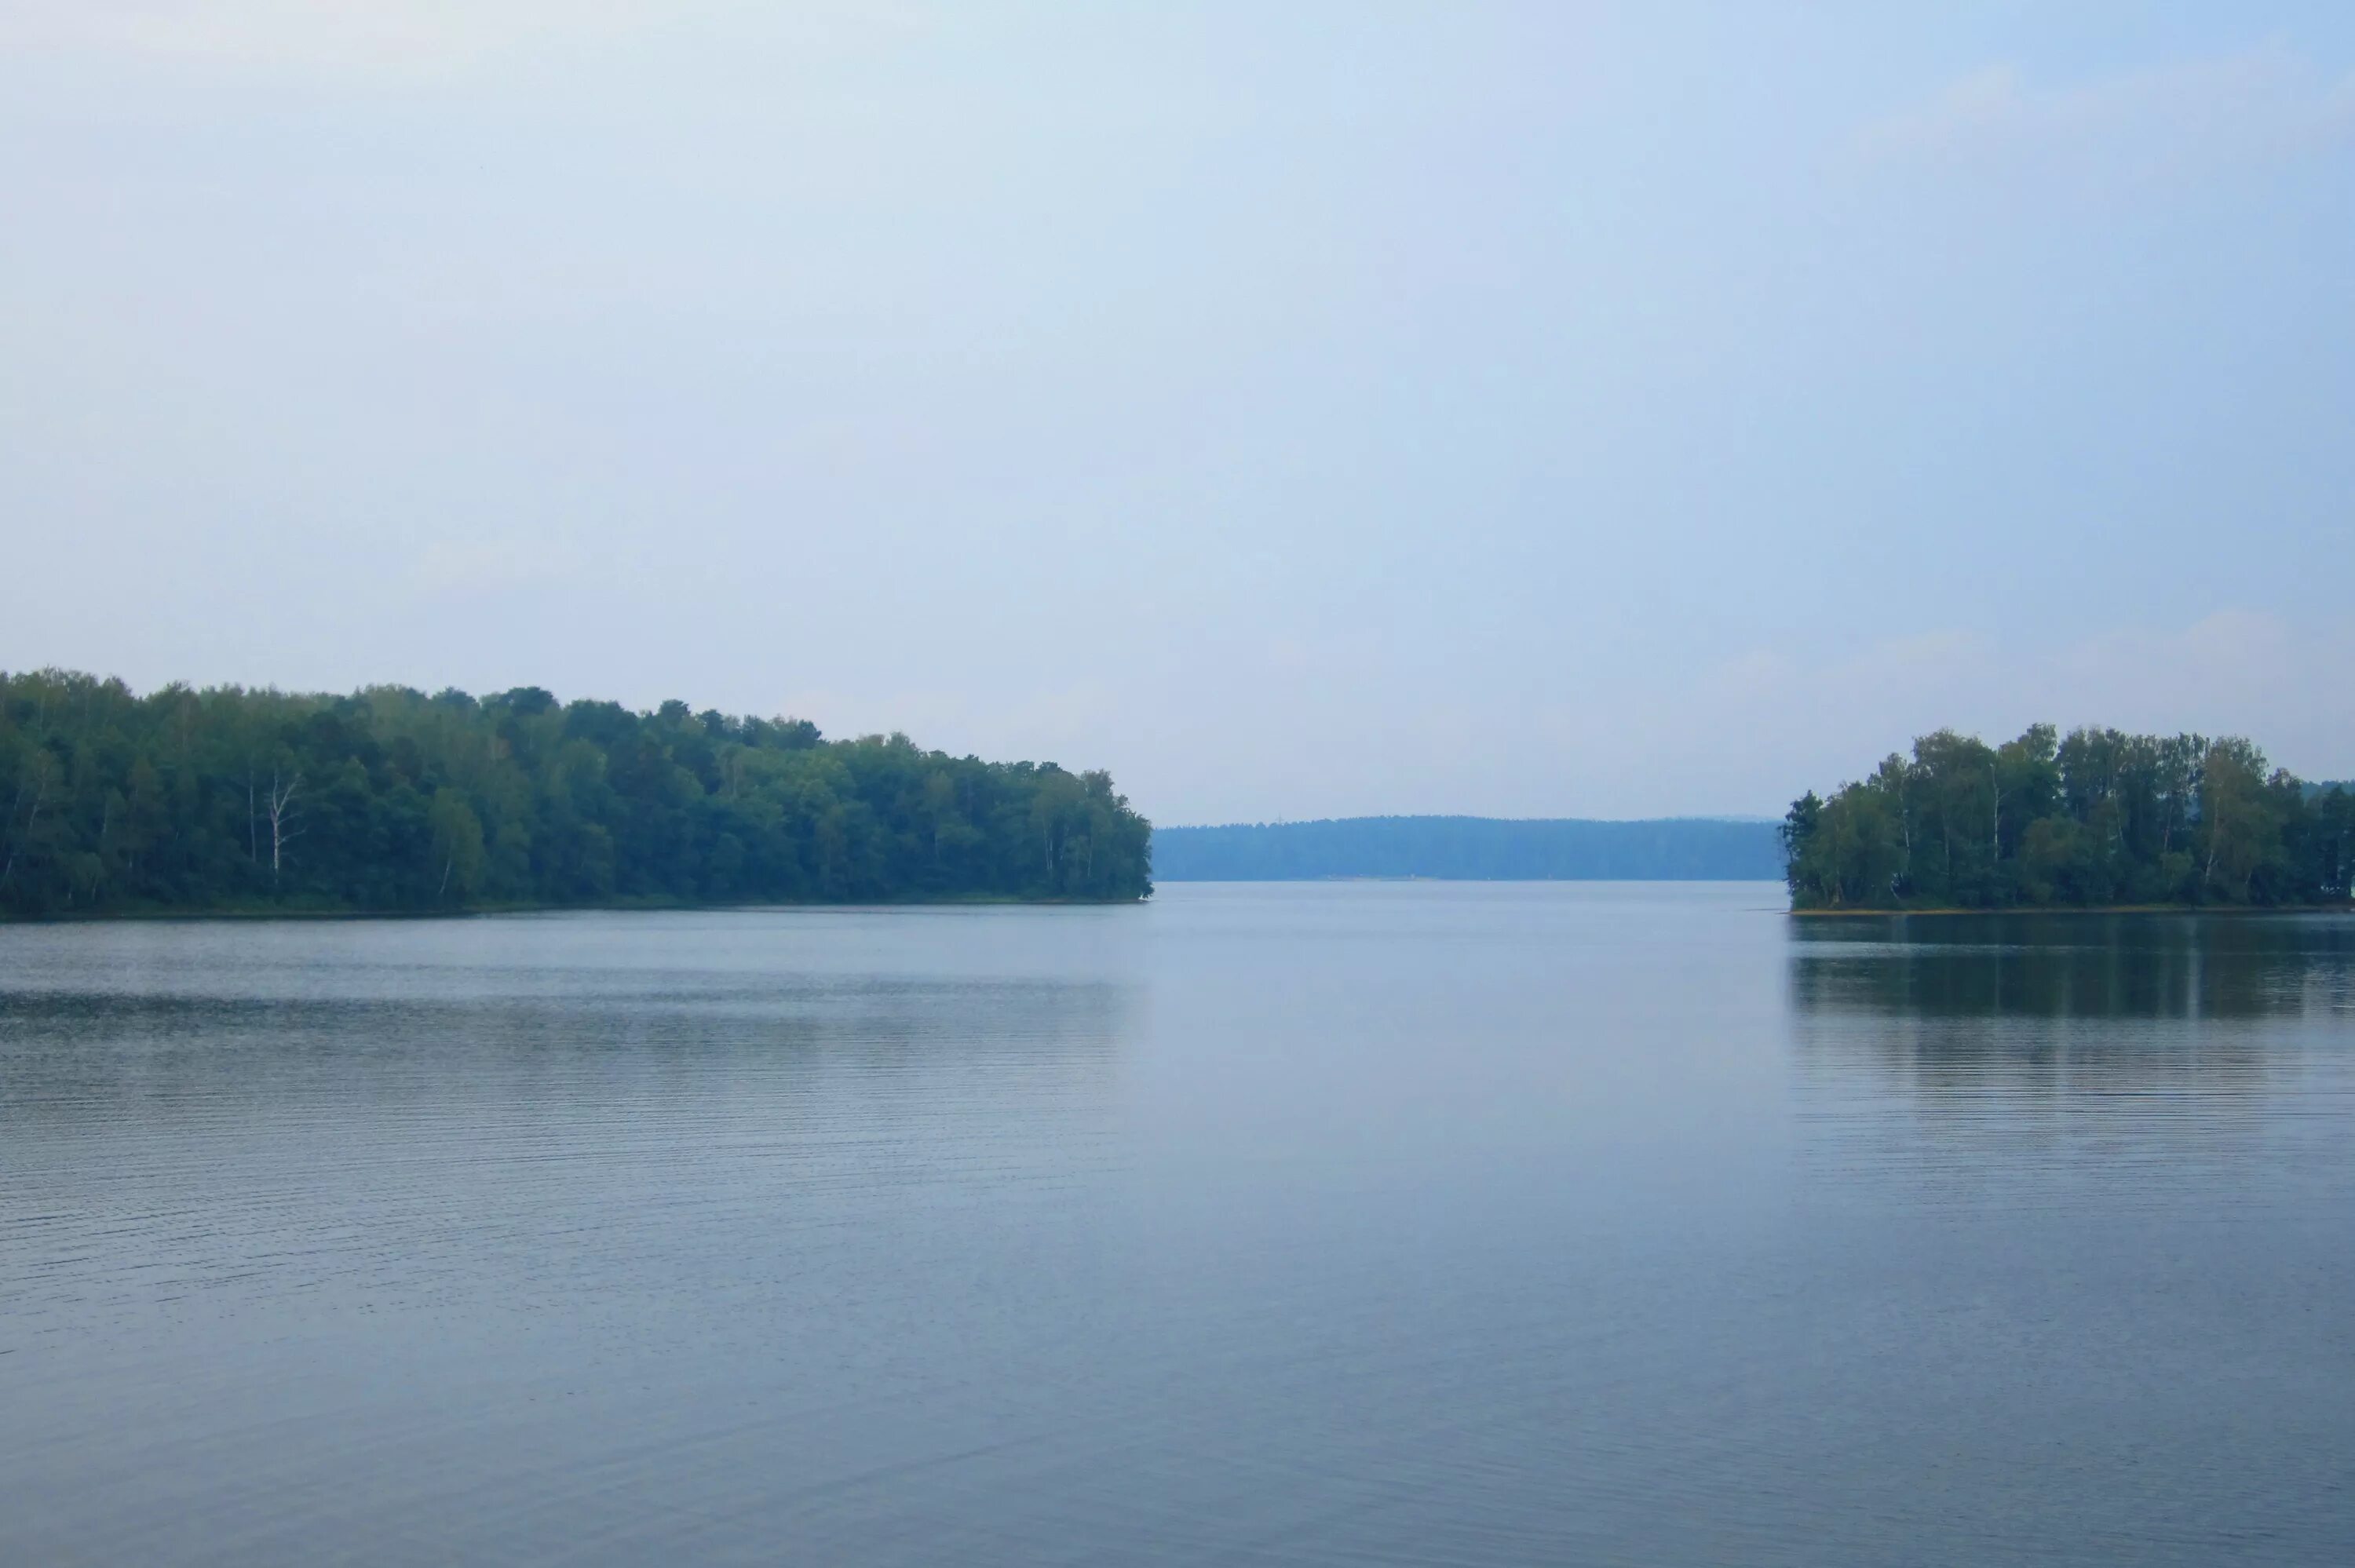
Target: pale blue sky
[{"x": 1312, "y": 409}]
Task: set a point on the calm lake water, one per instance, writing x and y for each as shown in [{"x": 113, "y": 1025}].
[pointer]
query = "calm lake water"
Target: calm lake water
[{"x": 1397, "y": 1223}]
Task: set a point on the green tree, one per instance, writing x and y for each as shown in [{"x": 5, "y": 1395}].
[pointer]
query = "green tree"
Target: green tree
[
  {"x": 457, "y": 845},
  {"x": 2238, "y": 830}
]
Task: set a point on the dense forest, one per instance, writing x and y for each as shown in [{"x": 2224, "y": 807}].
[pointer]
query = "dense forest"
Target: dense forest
[
  {"x": 2098, "y": 818},
  {"x": 389, "y": 800},
  {"x": 1471, "y": 848}
]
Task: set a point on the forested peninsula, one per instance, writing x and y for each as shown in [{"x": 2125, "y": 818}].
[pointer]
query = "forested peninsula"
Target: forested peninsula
[
  {"x": 2097, "y": 819},
  {"x": 227, "y": 800}
]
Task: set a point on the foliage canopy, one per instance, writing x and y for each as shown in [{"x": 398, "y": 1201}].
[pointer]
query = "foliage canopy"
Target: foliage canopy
[
  {"x": 389, "y": 800},
  {"x": 2098, "y": 818}
]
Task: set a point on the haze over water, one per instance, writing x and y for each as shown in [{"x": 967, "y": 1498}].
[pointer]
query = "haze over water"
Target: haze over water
[{"x": 1465, "y": 1223}]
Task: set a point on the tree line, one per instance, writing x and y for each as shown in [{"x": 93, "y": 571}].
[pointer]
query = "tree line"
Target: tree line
[
  {"x": 388, "y": 799},
  {"x": 2097, "y": 818},
  {"x": 1478, "y": 848}
]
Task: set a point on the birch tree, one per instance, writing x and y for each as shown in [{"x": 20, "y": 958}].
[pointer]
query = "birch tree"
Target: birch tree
[{"x": 279, "y": 810}]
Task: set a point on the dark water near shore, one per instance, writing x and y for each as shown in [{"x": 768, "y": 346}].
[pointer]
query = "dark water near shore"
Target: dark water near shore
[{"x": 1424, "y": 1223}]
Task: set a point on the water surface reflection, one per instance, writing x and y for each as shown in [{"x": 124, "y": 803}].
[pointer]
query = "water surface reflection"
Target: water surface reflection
[
  {"x": 1314, "y": 1224},
  {"x": 2162, "y": 1058},
  {"x": 2074, "y": 966}
]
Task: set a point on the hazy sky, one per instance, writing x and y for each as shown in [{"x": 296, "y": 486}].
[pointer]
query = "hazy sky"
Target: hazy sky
[{"x": 1301, "y": 410}]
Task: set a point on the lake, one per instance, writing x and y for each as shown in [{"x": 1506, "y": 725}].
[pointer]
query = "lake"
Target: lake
[{"x": 1460, "y": 1224}]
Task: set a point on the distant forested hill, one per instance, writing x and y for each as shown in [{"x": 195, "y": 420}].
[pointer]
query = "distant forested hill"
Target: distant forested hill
[
  {"x": 1472, "y": 849},
  {"x": 390, "y": 799}
]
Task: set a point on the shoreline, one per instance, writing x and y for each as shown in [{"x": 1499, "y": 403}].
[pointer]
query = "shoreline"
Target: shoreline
[
  {"x": 2076, "y": 909},
  {"x": 616, "y": 907}
]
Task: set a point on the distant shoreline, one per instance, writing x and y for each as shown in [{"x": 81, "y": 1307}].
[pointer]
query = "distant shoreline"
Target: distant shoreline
[
  {"x": 1471, "y": 848},
  {"x": 1160, "y": 880}
]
